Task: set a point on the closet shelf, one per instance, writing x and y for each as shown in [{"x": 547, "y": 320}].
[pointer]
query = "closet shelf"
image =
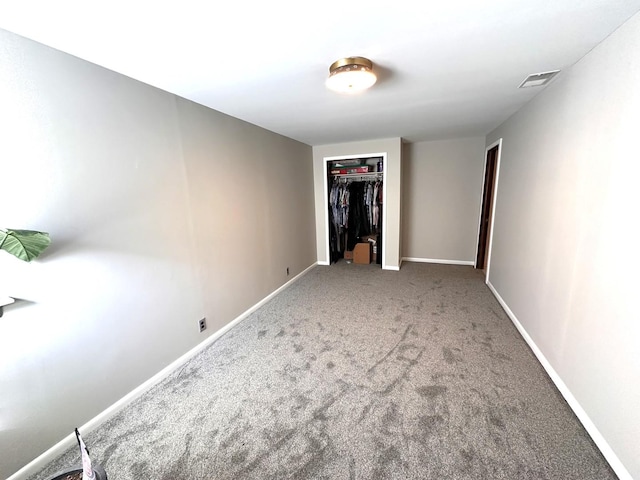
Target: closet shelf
[{"x": 364, "y": 174}]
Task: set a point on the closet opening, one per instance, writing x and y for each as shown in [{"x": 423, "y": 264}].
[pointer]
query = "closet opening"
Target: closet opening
[{"x": 355, "y": 209}]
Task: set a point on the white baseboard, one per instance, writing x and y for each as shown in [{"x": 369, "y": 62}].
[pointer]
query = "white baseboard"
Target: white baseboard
[
  {"x": 438, "y": 260},
  {"x": 51, "y": 454},
  {"x": 323, "y": 263},
  {"x": 596, "y": 436}
]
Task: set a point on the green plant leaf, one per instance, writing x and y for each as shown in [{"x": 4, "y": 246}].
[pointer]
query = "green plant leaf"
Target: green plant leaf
[{"x": 24, "y": 244}]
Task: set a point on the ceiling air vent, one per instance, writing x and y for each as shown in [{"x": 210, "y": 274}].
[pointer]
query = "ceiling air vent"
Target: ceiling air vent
[{"x": 538, "y": 79}]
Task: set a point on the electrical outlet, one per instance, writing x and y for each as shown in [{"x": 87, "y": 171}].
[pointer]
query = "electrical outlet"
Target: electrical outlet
[
  {"x": 202, "y": 324},
  {"x": 287, "y": 271}
]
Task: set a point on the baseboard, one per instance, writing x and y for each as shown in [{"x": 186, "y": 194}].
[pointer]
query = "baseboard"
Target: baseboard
[
  {"x": 596, "y": 436},
  {"x": 438, "y": 260},
  {"x": 51, "y": 454},
  {"x": 323, "y": 263}
]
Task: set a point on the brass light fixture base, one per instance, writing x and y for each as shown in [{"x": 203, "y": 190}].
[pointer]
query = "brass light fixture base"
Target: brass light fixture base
[{"x": 343, "y": 62}]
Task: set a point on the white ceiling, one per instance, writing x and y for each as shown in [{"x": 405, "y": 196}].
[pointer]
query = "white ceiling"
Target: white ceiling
[{"x": 446, "y": 69}]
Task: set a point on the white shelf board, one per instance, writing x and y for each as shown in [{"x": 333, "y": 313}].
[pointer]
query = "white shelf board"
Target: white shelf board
[{"x": 6, "y": 301}]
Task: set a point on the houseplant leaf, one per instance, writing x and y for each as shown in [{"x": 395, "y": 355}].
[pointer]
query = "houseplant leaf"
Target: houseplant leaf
[{"x": 24, "y": 244}]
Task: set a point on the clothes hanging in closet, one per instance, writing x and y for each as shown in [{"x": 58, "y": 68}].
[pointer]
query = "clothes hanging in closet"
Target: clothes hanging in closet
[{"x": 354, "y": 212}]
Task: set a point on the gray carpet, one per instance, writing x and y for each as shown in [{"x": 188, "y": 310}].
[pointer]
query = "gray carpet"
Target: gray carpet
[{"x": 356, "y": 373}]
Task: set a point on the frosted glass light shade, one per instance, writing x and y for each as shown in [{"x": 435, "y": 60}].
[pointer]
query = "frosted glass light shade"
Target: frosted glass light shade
[{"x": 351, "y": 75}]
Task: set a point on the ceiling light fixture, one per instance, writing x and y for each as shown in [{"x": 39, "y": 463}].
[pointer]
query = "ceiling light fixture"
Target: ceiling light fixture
[{"x": 351, "y": 75}]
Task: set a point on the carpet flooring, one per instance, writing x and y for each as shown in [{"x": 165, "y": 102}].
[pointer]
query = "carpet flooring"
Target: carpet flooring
[{"x": 356, "y": 373}]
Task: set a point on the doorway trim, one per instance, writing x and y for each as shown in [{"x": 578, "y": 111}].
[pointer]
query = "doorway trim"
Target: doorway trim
[
  {"x": 497, "y": 143},
  {"x": 325, "y": 170}
]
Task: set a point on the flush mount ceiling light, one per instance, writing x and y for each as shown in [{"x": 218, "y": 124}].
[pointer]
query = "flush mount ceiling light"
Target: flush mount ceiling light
[{"x": 351, "y": 75}]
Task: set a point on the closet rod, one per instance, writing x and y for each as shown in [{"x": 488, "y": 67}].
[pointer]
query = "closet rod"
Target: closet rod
[{"x": 361, "y": 176}]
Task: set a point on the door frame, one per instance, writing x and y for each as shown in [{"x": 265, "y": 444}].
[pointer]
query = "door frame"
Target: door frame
[
  {"x": 497, "y": 143},
  {"x": 325, "y": 182}
]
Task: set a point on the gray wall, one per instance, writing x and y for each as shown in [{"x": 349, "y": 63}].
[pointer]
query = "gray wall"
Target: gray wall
[
  {"x": 393, "y": 176},
  {"x": 161, "y": 212},
  {"x": 567, "y": 231},
  {"x": 441, "y": 196}
]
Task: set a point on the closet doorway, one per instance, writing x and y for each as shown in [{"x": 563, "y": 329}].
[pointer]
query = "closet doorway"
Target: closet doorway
[
  {"x": 489, "y": 192},
  {"x": 355, "y": 194}
]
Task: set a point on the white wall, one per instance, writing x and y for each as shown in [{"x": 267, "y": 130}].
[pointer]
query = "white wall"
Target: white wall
[
  {"x": 160, "y": 212},
  {"x": 441, "y": 196},
  {"x": 566, "y": 234},
  {"x": 393, "y": 176},
  {"x": 252, "y": 208}
]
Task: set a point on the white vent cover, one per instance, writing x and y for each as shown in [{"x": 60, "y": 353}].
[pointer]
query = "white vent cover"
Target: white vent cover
[{"x": 538, "y": 79}]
